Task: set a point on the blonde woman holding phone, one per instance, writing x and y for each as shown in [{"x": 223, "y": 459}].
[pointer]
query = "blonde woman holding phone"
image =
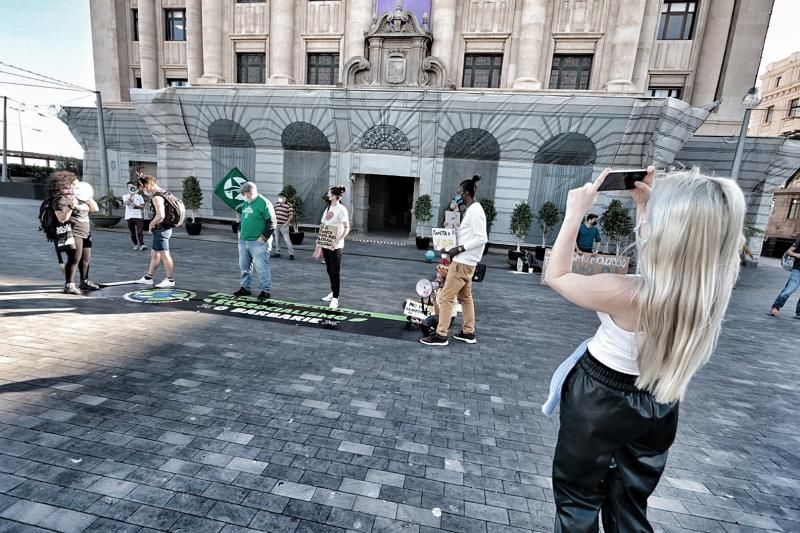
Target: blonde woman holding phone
[{"x": 619, "y": 402}]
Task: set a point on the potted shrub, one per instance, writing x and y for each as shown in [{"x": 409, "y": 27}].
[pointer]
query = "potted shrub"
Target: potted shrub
[
  {"x": 295, "y": 235},
  {"x": 423, "y": 211},
  {"x": 491, "y": 216},
  {"x": 193, "y": 200},
  {"x": 549, "y": 216},
  {"x": 521, "y": 219},
  {"x": 106, "y": 218},
  {"x": 751, "y": 231},
  {"x": 616, "y": 223}
]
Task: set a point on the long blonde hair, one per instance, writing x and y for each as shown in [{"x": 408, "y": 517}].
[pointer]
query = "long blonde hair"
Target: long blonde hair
[{"x": 688, "y": 266}]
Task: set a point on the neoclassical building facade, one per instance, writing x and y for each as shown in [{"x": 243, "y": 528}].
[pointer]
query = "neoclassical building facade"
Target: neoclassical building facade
[{"x": 402, "y": 98}]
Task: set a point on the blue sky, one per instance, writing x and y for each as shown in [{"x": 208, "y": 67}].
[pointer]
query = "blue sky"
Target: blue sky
[{"x": 53, "y": 37}]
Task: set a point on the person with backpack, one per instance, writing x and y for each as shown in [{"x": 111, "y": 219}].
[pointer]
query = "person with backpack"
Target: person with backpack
[
  {"x": 66, "y": 222},
  {"x": 168, "y": 213}
]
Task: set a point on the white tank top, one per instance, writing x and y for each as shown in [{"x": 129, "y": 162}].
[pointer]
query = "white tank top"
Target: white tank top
[{"x": 615, "y": 347}]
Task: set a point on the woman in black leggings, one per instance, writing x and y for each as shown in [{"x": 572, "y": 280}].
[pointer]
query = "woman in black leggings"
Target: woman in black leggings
[
  {"x": 78, "y": 250},
  {"x": 337, "y": 220}
]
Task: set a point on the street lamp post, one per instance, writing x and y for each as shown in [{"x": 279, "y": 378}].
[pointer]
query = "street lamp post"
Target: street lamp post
[{"x": 750, "y": 101}]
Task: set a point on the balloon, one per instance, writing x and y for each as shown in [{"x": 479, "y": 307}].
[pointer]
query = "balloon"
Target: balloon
[{"x": 430, "y": 256}]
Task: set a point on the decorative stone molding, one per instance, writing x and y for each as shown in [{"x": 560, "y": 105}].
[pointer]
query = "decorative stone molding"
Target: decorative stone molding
[
  {"x": 385, "y": 137},
  {"x": 397, "y": 54}
]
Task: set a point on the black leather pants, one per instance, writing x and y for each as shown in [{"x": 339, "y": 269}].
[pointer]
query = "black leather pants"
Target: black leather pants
[{"x": 611, "y": 451}]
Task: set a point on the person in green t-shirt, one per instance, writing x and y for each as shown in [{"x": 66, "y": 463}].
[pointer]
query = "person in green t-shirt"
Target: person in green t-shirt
[{"x": 255, "y": 239}]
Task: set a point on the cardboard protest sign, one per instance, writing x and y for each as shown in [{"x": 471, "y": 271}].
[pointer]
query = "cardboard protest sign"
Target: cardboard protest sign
[
  {"x": 589, "y": 265},
  {"x": 326, "y": 237},
  {"x": 443, "y": 238}
]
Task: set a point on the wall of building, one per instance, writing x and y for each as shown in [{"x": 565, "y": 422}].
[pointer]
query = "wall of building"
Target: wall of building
[
  {"x": 780, "y": 87},
  {"x": 717, "y": 62},
  {"x": 785, "y": 219}
]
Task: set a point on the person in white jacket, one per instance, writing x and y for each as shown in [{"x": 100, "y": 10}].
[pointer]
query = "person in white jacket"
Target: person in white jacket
[{"x": 471, "y": 238}]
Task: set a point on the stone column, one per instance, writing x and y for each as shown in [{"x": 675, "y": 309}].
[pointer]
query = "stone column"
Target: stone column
[
  {"x": 148, "y": 44},
  {"x": 624, "y": 45},
  {"x": 530, "y": 45},
  {"x": 443, "y": 25},
  {"x": 359, "y": 20},
  {"x": 212, "y": 42},
  {"x": 281, "y": 42},
  {"x": 194, "y": 40}
]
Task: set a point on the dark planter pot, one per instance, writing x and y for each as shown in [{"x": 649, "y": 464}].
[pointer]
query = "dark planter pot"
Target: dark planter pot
[
  {"x": 193, "y": 228},
  {"x": 538, "y": 252},
  {"x": 423, "y": 243},
  {"x": 297, "y": 237},
  {"x": 513, "y": 255},
  {"x": 105, "y": 221}
]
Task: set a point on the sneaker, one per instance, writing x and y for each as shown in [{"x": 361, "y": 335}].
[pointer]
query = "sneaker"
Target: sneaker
[
  {"x": 144, "y": 281},
  {"x": 136, "y": 247},
  {"x": 291, "y": 257},
  {"x": 276, "y": 254},
  {"x": 143, "y": 247},
  {"x": 469, "y": 338},
  {"x": 797, "y": 316},
  {"x": 242, "y": 292},
  {"x": 263, "y": 295},
  {"x": 774, "y": 311},
  {"x": 89, "y": 285},
  {"x": 328, "y": 298},
  {"x": 70, "y": 288},
  {"x": 165, "y": 284},
  {"x": 434, "y": 340},
  {"x": 334, "y": 303}
]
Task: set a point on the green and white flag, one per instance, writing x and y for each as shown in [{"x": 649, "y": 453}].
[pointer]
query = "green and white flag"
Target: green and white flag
[{"x": 228, "y": 188}]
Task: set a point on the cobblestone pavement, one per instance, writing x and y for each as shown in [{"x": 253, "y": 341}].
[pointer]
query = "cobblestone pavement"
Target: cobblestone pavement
[{"x": 116, "y": 417}]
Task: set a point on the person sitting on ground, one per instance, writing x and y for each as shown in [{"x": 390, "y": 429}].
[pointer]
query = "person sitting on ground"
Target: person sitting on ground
[{"x": 619, "y": 402}]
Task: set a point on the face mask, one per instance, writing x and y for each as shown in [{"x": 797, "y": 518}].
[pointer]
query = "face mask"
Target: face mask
[
  {"x": 459, "y": 200},
  {"x": 147, "y": 193},
  {"x": 280, "y": 200}
]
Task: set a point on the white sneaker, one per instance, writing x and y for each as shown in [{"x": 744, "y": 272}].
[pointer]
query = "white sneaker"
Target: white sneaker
[
  {"x": 142, "y": 248},
  {"x": 328, "y": 298},
  {"x": 136, "y": 247},
  {"x": 334, "y": 303},
  {"x": 165, "y": 284},
  {"x": 144, "y": 281}
]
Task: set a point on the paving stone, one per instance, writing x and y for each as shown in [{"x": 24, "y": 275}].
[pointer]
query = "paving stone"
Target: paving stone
[
  {"x": 293, "y": 490},
  {"x": 418, "y": 515},
  {"x": 375, "y": 507},
  {"x": 351, "y": 520},
  {"x": 191, "y": 504},
  {"x": 386, "y": 478},
  {"x": 196, "y": 524},
  {"x": 234, "y": 514},
  {"x": 247, "y": 465},
  {"x": 68, "y": 521},
  {"x": 355, "y": 447},
  {"x": 363, "y": 488},
  {"x": 154, "y": 517},
  {"x": 266, "y": 521},
  {"x": 28, "y": 512}
]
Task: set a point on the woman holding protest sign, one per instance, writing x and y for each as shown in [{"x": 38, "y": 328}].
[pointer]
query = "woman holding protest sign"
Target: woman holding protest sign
[{"x": 333, "y": 229}]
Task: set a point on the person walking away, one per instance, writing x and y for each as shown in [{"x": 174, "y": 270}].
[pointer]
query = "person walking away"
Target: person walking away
[
  {"x": 337, "y": 221},
  {"x": 255, "y": 235},
  {"x": 792, "y": 284},
  {"x": 69, "y": 209},
  {"x": 161, "y": 234},
  {"x": 588, "y": 235},
  {"x": 284, "y": 212},
  {"x": 471, "y": 238},
  {"x": 134, "y": 215},
  {"x": 620, "y": 398}
]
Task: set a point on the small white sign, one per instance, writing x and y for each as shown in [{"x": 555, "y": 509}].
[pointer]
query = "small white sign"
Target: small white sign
[
  {"x": 443, "y": 238},
  {"x": 414, "y": 309}
]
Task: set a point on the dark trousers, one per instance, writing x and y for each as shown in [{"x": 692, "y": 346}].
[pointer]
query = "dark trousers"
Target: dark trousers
[
  {"x": 611, "y": 450},
  {"x": 136, "y": 227},
  {"x": 333, "y": 262},
  {"x": 78, "y": 258}
]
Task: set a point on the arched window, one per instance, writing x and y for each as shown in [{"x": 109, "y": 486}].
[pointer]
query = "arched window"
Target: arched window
[
  {"x": 231, "y": 147},
  {"x": 469, "y": 152},
  {"x": 306, "y": 166}
]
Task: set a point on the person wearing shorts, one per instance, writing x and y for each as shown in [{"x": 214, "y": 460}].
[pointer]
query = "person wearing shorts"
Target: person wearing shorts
[{"x": 160, "y": 248}]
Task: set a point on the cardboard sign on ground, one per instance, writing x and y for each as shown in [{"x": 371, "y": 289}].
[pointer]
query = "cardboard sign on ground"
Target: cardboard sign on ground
[{"x": 589, "y": 265}]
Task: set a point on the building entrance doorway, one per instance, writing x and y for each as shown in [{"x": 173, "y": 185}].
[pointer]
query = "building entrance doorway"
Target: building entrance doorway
[{"x": 390, "y": 204}]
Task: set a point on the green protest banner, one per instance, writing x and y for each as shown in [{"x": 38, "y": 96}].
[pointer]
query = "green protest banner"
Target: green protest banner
[{"x": 228, "y": 188}]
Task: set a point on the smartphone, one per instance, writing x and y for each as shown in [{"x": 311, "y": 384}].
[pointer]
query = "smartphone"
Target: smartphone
[{"x": 622, "y": 180}]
